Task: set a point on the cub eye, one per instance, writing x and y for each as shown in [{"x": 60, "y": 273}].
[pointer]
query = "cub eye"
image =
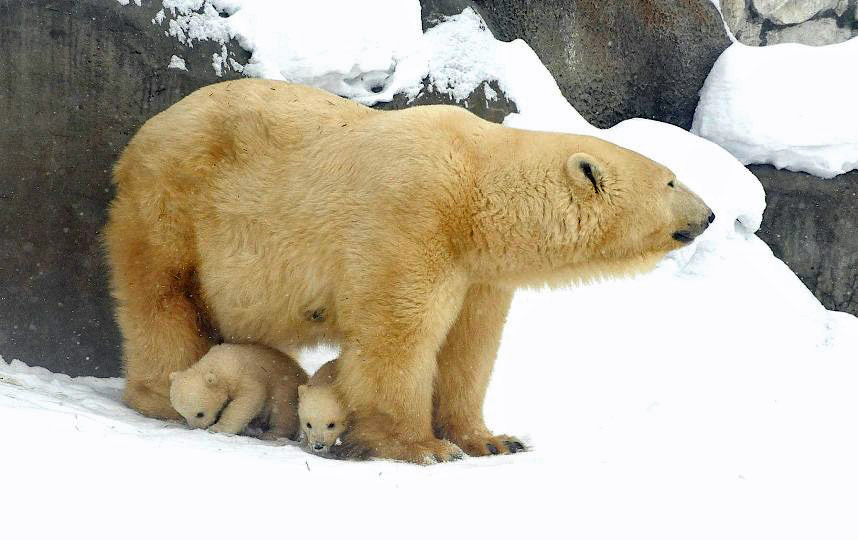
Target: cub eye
[
  {"x": 331, "y": 425},
  {"x": 309, "y": 426},
  {"x": 671, "y": 184},
  {"x": 200, "y": 415}
]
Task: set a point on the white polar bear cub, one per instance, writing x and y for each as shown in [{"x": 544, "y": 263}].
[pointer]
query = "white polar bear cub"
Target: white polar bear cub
[
  {"x": 323, "y": 418},
  {"x": 232, "y": 385}
]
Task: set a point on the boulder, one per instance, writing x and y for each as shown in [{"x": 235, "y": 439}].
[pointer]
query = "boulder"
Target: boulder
[
  {"x": 812, "y": 225},
  {"x": 793, "y": 11},
  {"x": 618, "y": 59},
  {"x": 816, "y": 32}
]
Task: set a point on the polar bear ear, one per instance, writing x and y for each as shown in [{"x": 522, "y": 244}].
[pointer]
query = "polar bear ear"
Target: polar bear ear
[
  {"x": 302, "y": 390},
  {"x": 210, "y": 378},
  {"x": 585, "y": 171}
]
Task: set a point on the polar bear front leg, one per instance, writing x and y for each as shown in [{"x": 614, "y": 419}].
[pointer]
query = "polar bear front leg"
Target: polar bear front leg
[
  {"x": 386, "y": 371},
  {"x": 464, "y": 367},
  {"x": 390, "y": 398}
]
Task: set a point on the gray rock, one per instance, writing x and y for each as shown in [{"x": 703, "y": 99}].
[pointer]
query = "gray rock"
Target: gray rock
[
  {"x": 748, "y": 32},
  {"x": 78, "y": 78},
  {"x": 816, "y": 32},
  {"x": 793, "y": 11},
  {"x": 812, "y": 225},
  {"x": 433, "y": 11},
  {"x": 492, "y": 107},
  {"x": 734, "y": 12},
  {"x": 618, "y": 59}
]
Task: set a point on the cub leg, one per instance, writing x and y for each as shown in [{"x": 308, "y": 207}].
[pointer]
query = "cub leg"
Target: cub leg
[
  {"x": 241, "y": 410},
  {"x": 465, "y": 364},
  {"x": 283, "y": 421}
]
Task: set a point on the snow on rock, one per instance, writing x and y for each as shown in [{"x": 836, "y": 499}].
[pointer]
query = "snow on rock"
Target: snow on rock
[
  {"x": 711, "y": 398},
  {"x": 177, "y": 62},
  {"x": 345, "y": 47},
  {"x": 789, "y": 105}
]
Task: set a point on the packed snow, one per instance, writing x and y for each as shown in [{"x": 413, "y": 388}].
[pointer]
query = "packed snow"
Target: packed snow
[
  {"x": 177, "y": 62},
  {"x": 711, "y": 398},
  {"x": 789, "y": 105}
]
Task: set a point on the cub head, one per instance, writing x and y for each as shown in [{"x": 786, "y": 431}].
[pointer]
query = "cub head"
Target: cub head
[
  {"x": 198, "y": 395},
  {"x": 322, "y": 417},
  {"x": 582, "y": 206}
]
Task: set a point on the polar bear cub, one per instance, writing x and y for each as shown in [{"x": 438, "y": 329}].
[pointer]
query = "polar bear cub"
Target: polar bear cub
[
  {"x": 323, "y": 418},
  {"x": 232, "y": 385}
]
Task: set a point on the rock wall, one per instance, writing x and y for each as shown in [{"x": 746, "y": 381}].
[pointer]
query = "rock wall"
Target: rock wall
[
  {"x": 811, "y": 22},
  {"x": 618, "y": 59},
  {"x": 76, "y": 80},
  {"x": 812, "y": 225}
]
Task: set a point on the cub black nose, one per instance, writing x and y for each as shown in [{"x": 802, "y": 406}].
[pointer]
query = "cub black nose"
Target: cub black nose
[{"x": 711, "y": 217}]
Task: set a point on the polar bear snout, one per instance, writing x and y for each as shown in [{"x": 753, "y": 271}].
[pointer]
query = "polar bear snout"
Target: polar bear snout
[{"x": 688, "y": 234}]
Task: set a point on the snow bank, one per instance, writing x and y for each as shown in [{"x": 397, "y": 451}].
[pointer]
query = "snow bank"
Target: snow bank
[
  {"x": 346, "y": 47},
  {"x": 789, "y": 105},
  {"x": 711, "y": 398}
]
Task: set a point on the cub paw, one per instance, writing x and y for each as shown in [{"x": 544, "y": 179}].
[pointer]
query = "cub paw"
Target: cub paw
[{"x": 218, "y": 428}]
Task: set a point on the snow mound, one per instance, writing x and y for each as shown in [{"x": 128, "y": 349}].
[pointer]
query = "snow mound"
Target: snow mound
[{"x": 789, "y": 105}]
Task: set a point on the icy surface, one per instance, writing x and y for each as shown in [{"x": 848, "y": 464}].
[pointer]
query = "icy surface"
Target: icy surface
[
  {"x": 711, "y": 398},
  {"x": 790, "y": 105}
]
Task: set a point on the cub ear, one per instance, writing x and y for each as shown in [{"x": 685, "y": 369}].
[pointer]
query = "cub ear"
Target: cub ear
[
  {"x": 173, "y": 376},
  {"x": 586, "y": 171},
  {"x": 302, "y": 390},
  {"x": 210, "y": 378}
]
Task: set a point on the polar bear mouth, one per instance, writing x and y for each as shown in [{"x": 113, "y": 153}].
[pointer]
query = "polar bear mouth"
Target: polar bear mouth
[{"x": 684, "y": 237}]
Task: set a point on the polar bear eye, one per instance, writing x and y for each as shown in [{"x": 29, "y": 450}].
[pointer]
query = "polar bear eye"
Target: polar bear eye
[
  {"x": 200, "y": 415},
  {"x": 331, "y": 425},
  {"x": 671, "y": 184},
  {"x": 309, "y": 426}
]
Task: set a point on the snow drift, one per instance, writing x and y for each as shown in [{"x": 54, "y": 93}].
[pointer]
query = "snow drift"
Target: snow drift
[{"x": 789, "y": 105}]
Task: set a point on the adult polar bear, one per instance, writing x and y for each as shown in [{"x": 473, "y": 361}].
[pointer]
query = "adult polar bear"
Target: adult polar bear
[{"x": 284, "y": 215}]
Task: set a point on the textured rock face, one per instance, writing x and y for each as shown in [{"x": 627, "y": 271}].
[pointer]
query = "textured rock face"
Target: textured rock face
[
  {"x": 811, "y": 22},
  {"x": 812, "y": 225},
  {"x": 817, "y": 32},
  {"x": 615, "y": 59},
  {"x": 76, "y": 81},
  {"x": 792, "y": 11}
]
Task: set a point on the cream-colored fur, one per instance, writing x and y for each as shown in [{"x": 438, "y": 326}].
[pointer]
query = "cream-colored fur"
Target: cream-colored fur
[
  {"x": 321, "y": 415},
  {"x": 232, "y": 385},
  {"x": 283, "y": 215}
]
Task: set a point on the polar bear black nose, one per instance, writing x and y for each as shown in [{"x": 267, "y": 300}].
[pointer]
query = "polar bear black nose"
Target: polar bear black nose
[
  {"x": 711, "y": 217},
  {"x": 318, "y": 446}
]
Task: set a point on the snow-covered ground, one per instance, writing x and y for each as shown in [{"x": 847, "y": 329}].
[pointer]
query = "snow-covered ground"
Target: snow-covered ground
[
  {"x": 790, "y": 105},
  {"x": 712, "y": 398}
]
